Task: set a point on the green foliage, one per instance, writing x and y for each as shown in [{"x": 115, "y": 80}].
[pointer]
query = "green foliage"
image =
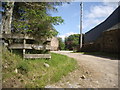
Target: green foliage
[
  {"x": 63, "y": 64},
  {"x": 23, "y": 67},
  {"x": 9, "y": 60},
  {"x": 34, "y": 19},
  {"x": 72, "y": 42},
  {"x": 61, "y": 44}
]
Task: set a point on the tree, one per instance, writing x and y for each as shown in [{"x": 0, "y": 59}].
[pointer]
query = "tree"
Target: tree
[
  {"x": 72, "y": 42},
  {"x": 36, "y": 20},
  {"x": 31, "y": 18},
  {"x": 7, "y": 16},
  {"x": 61, "y": 44}
]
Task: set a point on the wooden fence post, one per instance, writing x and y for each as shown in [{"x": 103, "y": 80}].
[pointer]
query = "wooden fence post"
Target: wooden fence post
[{"x": 24, "y": 42}]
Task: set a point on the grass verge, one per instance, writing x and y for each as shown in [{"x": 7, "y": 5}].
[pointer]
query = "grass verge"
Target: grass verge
[{"x": 27, "y": 73}]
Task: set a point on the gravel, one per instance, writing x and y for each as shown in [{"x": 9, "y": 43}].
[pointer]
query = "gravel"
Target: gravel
[{"x": 96, "y": 72}]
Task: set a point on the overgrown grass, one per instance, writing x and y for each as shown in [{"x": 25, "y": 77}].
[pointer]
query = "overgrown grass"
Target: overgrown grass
[{"x": 33, "y": 73}]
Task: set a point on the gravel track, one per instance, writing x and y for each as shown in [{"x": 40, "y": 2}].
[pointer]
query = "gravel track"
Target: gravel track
[{"x": 92, "y": 72}]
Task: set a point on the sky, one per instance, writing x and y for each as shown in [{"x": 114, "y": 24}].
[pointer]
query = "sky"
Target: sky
[{"x": 93, "y": 14}]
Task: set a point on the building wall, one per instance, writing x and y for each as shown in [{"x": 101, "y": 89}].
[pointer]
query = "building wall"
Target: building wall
[
  {"x": 108, "y": 42},
  {"x": 54, "y": 44}
]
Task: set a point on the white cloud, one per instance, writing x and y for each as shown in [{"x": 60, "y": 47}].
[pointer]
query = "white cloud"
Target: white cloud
[
  {"x": 66, "y": 35},
  {"x": 89, "y": 23},
  {"x": 97, "y": 14},
  {"x": 62, "y": 36},
  {"x": 112, "y": 4},
  {"x": 110, "y": 1},
  {"x": 70, "y": 33},
  {"x": 100, "y": 11},
  {"x": 64, "y": 5}
]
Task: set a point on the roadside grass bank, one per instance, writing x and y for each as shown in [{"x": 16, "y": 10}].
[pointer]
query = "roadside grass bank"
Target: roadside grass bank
[
  {"x": 101, "y": 54},
  {"x": 34, "y": 73}
]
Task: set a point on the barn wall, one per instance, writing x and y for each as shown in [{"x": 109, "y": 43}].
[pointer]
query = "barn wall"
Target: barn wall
[
  {"x": 96, "y": 32},
  {"x": 108, "y": 42}
]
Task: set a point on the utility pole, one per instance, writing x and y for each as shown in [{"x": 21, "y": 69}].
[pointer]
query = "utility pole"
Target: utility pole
[{"x": 81, "y": 7}]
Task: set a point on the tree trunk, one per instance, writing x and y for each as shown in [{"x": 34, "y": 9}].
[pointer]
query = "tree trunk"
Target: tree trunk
[
  {"x": 0, "y": 16},
  {"x": 7, "y": 18}
]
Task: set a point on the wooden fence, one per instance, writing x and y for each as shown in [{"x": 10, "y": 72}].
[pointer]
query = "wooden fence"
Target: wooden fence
[{"x": 27, "y": 46}]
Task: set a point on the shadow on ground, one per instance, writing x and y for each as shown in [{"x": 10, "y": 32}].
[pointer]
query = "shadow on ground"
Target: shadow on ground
[{"x": 112, "y": 56}]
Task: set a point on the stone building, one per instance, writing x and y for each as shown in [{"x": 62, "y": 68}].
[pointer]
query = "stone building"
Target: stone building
[
  {"x": 109, "y": 42},
  {"x": 54, "y": 44}
]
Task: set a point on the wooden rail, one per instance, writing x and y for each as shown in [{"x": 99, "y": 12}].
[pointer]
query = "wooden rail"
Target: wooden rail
[
  {"x": 37, "y": 56},
  {"x": 20, "y": 46},
  {"x": 20, "y": 36},
  {"x": 24, "y": 46},
  {"x": 16, "y": 36},
  {"x": 29, "y": 46}
]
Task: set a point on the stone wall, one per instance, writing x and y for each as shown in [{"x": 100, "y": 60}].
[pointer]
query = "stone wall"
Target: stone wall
[
  {"x": 91, "y": 47},
  {"x": 54, "y": 44},
  {"x": 108, "y": 42}
]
